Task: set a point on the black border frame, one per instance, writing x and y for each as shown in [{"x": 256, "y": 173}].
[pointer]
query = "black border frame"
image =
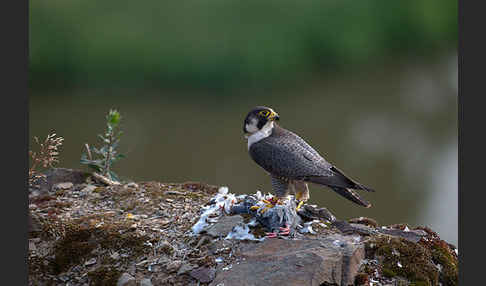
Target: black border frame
[{"x": 15, "y": 24}]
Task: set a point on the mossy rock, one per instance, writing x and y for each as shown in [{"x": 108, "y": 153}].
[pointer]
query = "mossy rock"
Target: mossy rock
[
  {"x": 441, "y": 254},
  {"x": 415, "y": 259},
  {"x": 79, "y": 241},
  {"x": 72, "y": 248},
  {"x": 104, "y": 276},
  {"x": 444, "y": 255}
]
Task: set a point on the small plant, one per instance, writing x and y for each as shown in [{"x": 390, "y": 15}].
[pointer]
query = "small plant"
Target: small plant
[
  {"x": 107, "y": 154},
  {"x": 45, "y": 157}
]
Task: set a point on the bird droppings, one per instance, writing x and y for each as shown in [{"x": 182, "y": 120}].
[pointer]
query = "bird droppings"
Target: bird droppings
[
  {"x": 242, "y": 232},
  {"x": 307, "y": 227},
  {"x": 218, "y": 260},
  {"x": 91, "y": 234}
]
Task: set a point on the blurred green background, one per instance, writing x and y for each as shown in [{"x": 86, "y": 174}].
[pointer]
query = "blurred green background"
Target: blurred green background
[{"x": 372, "y": 85}]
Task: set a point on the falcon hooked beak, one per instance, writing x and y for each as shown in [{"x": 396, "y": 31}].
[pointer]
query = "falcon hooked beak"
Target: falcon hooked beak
[{"x": 273, "y": 116}]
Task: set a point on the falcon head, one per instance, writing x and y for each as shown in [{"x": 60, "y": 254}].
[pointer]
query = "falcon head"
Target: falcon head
[{"x": 257, "y": 118}]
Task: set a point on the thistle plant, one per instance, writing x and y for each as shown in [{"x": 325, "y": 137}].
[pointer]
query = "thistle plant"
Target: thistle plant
[
  {"x": 107, "y": 154},
  {"x": 45, "y": 157}
]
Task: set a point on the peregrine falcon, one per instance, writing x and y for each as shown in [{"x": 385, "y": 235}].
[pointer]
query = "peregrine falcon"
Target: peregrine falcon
[{"x": 291, "y": 162}]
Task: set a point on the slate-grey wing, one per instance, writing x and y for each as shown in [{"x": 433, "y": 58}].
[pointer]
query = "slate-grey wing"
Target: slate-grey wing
[
  {"x": 334, "y": 177},
  {"x": 284, "y": 158}
]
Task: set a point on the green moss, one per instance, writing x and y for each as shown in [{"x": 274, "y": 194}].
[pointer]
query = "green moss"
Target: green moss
[
  {"x": 415, "y": 259},
  {"x": 71, "y": 249},
  {"x": 104, "y": 276},
  {"x": 441, "y": 254},
  {"x": 388, "y": 272},
  {"x": 79, "y": 241}
]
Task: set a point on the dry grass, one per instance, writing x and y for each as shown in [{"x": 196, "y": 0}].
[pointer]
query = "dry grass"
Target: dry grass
[{"x": 45, "y": 157}]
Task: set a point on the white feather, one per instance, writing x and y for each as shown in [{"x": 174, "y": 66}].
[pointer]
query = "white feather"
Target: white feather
[
  {"x": 261, "y": 134},
  {"x": 252, "y": 126}
]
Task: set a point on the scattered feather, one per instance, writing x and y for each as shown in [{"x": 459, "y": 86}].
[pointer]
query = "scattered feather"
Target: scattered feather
[{"x": 242, "y": 232}]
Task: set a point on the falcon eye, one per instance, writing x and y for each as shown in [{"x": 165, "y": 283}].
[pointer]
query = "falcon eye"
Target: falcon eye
[{"x": 264, "y": 113}]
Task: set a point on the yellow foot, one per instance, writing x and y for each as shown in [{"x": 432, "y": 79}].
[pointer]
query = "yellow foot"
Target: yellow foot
[
  {"x": 262, "y": 208},
  {"x": 254, "y": 208},
  {"x": 299, "y": 205},
  {"x": 267, "y": 207}
]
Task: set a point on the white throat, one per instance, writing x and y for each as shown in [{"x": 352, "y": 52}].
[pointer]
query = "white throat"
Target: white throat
[{"x": 260, "y": 134}]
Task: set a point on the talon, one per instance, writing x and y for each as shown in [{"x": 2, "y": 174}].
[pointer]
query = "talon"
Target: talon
[
  {"x": 268, "y": 205},
  {"x": 285, "y": 230},
  {"x": 271, "y": 234},
  {"x": 253, "y": 208}
]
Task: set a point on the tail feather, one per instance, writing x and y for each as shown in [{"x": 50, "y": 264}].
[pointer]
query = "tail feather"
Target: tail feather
[
  {"x": 339, "y": 179},
  {"x": 354, "y": 185},
  {"x": 343, "y": 185},
  {"x": 352, "y": 196}
]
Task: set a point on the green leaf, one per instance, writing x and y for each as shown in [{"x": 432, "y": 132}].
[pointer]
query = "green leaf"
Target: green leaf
[
  {"x": 104, "y": 150},
  {"x": 98, "y": 163},
  {"x": 113, "y": 117},
  {"x": 114, "y": 176}
]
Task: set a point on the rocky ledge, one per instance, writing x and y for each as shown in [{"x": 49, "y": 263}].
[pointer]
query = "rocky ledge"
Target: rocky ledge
[{"x": 85, "y": 231}]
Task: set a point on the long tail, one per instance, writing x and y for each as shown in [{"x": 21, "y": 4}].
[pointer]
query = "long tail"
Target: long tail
[
  {"x": 343, "y": 185},
  {"x": 352, "y": 196},
  {"x": 339, "y": 179}
]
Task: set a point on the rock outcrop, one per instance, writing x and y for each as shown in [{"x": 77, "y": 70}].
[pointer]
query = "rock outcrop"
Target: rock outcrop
[
  {"x": 334, "y": 260},
  {"x": 85, "y": 232}
]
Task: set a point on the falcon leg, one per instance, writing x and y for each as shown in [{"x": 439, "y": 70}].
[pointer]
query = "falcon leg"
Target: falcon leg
[
  {"x": 281, "y": 188},
  {"x": 283, "y": 231},
  {"x": 301, "y": 193}
]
